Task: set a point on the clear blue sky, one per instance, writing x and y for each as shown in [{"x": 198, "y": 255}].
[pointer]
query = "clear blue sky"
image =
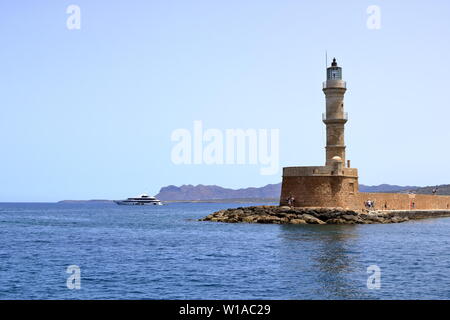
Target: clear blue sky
[{"x": 89, "y": 113}]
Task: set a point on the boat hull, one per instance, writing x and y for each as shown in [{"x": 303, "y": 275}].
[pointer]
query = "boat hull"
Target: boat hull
[{"x": 138, "y": 203}]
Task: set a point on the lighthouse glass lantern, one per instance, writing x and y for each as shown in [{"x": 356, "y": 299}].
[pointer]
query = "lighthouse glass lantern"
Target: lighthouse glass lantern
[{"x": 334, "y": 72}]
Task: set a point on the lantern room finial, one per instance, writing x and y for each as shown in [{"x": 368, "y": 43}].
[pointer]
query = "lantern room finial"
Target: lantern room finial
[
  {"x": 334, "y": 72},
  {"x": 334, "y": 63}
]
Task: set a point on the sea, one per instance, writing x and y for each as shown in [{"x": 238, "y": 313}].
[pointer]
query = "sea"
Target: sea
[{"x": 106, "y": 251}]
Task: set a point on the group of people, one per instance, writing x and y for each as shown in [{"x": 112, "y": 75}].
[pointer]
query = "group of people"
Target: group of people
[
  {"x": 290, "y": 201},
  {"x": 369, "y": 204}
]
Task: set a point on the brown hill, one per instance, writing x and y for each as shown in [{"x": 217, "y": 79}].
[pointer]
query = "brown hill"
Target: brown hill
[
  {"x": 211, "y": 192},
  {"x": 443, "y": 190},
  {"x": 202, "y": 192}
]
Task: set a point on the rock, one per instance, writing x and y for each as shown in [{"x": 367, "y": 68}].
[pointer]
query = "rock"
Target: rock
[
  {"x": 310, "y": 219},
  {"x": 328, "y": 215},
  {"x": 265, "y": 219},
  {"x": 297, "y": 221},
  {"x": 398, "y": 219},
  {"x": 349, "y": 217},
  {"x": 259, "y": 212},
  {"x": 337, "y": 221},
  {"x": 312, "y": 212},
  {"x": 374, "y": 219},
  {"x": 285, "y": 214},
  {"x": 284, "y": 220},
  {"x": 250, "y": 219},
  {"x": 291, "y": 216},
  {"x": 219, "y": 213}
]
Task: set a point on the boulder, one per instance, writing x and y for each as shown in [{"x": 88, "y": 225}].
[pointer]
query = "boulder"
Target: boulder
[
  {"x": 266, "y": 219},
  {"x": 311, "y": 219},
  {"x": 337, "y": 221},
  {"x": 328, "y": 215},
  {"x": 260, "y": 212},
  {"x": 349, "y": 217},
  {"x": 250, "y": 219},
  {"x": 397, "y": 219},
  {"x": 297, "y": 221},
  {"x": 374, "y": 219},
  {"x": 284, "y": 220},
  {"x": 219, "y": 213}
]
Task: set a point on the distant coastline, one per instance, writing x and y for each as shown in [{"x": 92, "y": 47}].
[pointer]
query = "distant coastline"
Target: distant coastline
[
  {"x": 271, "y": 191},
  {"x": 240, "y": 200},
  {"x": 87, "y": 201},
  {"x": 266, "y": 194}
]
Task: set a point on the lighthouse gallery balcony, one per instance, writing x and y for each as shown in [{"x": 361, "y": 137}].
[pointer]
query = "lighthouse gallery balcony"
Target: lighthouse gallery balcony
[
  {"x": 334, "y": 117},
  {"x": 334, "y": 84}
]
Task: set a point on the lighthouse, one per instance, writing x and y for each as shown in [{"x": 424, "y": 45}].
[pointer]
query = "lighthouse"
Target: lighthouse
[
  {"x": 334, "y": 118},
  {"x": 333, "y": 184}
]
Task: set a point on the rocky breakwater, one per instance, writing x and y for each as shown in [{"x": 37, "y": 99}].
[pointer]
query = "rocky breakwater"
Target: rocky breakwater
[{"x": 287, "y": 215}]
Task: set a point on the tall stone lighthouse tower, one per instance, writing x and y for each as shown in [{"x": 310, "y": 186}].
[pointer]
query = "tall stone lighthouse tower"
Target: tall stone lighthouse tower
[
  {"x": 335, "y": 184},
  {"x": 335, "y": 118}
]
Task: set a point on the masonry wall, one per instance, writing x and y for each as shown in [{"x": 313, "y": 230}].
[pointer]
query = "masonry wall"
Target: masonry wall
[
  {"x": 342, "y": 191},
  {"x": 319, "y": 191},
  {"x": 400, "y": 201}
]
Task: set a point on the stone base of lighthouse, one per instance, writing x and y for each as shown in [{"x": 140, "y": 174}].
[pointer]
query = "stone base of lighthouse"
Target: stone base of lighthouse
[{"x": 327, "y": 186}]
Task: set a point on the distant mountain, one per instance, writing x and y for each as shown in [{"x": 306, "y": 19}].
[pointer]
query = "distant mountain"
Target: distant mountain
[
  {"x": 442, "y": 190},
  {"x": 388, "y": 188},
  {"x": 204, "y": 192},
  {"x": 270, "y": 191}
]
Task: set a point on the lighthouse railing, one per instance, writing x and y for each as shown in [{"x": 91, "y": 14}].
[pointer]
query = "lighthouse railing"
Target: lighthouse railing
[
  {"x": 334, "y": 84},
  {"x": 344, "y": 116}
]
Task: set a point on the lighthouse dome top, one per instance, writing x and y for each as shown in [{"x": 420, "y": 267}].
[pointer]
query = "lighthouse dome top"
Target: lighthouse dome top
[
  {"x": 334, "y": 72},
  {"x": 334, "y": 63}
]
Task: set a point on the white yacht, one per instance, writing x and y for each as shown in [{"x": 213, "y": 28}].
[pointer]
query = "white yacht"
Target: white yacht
[{"x": 143, "y": 199}]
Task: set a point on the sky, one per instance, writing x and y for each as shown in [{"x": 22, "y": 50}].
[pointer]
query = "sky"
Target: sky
[{"x": 89, "y": 113}]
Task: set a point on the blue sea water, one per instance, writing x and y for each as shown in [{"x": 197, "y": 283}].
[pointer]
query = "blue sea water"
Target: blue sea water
[{"x": 163, "y": 252}]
